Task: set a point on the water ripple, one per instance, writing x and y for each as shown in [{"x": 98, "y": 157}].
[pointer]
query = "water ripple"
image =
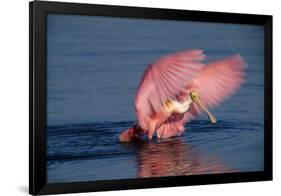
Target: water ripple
[{"x": 100, "y": 140}]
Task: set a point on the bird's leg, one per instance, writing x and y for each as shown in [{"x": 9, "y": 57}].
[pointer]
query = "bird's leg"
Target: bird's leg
[
  {"x": 158, "y": 134},
  {"x": 151, "y": 130}
]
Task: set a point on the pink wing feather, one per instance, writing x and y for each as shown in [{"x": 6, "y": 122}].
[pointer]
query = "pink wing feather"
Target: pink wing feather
[
  {"x": 163, "y": 79},
  {"x": 219, "y": 80}
]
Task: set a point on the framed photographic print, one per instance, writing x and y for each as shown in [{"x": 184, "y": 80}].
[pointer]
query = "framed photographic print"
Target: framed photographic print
[{"x": 130, "y": 97}]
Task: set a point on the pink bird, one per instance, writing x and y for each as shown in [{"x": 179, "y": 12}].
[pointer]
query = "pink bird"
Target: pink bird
[{"x": 178, "y": 87}]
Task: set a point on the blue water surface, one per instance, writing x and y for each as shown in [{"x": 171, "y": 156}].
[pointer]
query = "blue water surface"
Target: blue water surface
[{"x": 94, "y": 67}]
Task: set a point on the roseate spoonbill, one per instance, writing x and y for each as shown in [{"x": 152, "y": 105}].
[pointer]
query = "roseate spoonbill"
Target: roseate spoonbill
[{"x": 178, "y": 87}]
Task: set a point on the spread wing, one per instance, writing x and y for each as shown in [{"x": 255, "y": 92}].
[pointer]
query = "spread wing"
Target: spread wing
[
  {"x": 163, "y": 79},
  {"x": 219, "y": 80},
  {"x": 215, "y": 82}
]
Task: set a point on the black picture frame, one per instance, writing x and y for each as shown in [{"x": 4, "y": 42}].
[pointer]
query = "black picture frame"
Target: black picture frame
[{"x": 38, "y": 11}]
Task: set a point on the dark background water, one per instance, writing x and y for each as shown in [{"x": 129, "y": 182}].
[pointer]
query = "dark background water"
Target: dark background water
[{"x": 94, "y": 67}]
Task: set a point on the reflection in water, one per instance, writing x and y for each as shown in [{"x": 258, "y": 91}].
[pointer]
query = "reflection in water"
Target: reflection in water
[{"x": 172, "y": 157}]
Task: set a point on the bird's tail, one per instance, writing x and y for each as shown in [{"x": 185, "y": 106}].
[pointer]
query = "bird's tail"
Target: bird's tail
[{"x": 127, "y": 135}]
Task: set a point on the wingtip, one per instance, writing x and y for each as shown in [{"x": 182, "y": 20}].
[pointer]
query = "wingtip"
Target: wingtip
[
  {"x": 202, "y": 54},
  {"x": 197, "y": 54},
  {"x": 240, "y": 65},
  {"x": 240, "y": 59}
]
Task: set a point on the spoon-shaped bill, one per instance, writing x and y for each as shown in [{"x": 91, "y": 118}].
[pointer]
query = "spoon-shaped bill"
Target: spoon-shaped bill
[{"x": 211, "y": 117}]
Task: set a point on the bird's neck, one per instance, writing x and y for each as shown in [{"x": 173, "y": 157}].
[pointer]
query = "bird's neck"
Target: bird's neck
[{"x": 179, "y": 107}]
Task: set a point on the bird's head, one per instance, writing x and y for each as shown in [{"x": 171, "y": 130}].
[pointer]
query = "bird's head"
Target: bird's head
[{"x": 195, "y": 97}]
